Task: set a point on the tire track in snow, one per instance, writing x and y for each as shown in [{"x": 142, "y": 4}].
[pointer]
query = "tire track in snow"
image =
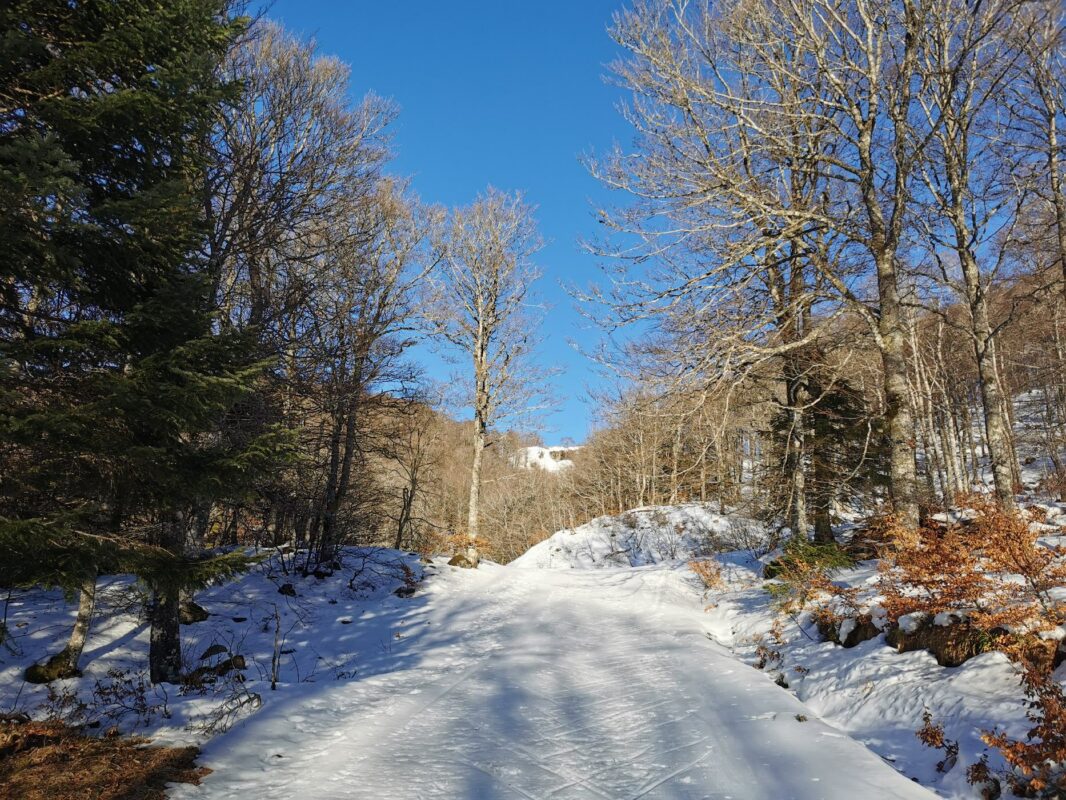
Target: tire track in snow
[{"x": 559, "y": 686}]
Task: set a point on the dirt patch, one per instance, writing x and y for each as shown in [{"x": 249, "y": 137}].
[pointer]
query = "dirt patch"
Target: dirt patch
[
  {"x": 50, "y": 761},
  {"x": 951, "y": 645},
  {"x": 861, "y": 629}
]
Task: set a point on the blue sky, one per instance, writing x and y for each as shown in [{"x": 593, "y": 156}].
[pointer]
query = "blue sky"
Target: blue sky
[{"x": 502, "y": 92}]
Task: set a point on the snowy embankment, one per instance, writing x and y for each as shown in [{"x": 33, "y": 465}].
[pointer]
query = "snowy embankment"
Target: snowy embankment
[
  {"x": 871, "y": 691},
  {"x": 595, "y": 666},
  {"x": 501, "y": 682},
  {"x": 269, "y": 623},
  {"x": 642, "y": 536}
]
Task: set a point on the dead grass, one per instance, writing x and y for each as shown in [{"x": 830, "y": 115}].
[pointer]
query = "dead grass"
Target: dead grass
[
  {"x": 709, "y": 572},
  {"x": 51, "y": 761}
]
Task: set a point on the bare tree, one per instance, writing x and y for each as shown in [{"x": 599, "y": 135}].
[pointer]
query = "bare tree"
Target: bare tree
[
  {"x": 966, "y": 65},
  {"x": 412, "y": 453},
  {"x": 781, "y": 132},
  {"x": 348, "y": 336},
  {"x": 283, "y": 153},
  {"x": 1039, "y": 108},
  {"x": 482, "y": 309}
]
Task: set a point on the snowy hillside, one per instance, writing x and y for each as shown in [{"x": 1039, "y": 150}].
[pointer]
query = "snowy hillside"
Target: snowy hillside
[
  {"x": 489, "y": 683},
  {"x": 549, "y": 459},
  {"x": 871, "y": 691},
  {"x": 599, "y": 666},
  {"x": 303, "y": 631},
  {"x": 642, "y": 536},
  {"x": 1033, "y": 422}
]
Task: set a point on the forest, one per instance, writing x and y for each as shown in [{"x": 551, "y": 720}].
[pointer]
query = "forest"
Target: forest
[{"x": 830, "y": 316}]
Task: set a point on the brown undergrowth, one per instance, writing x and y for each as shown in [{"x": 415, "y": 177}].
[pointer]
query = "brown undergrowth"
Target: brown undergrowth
[
  {"x": 53, "y": 761},
  {"x": 709, "y": 572},
  {"x": 991, "y": 581},
  {"x": 983, "y": 583}
]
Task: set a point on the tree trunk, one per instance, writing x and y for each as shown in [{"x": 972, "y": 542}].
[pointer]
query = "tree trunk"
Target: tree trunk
[
  {"x": 64, "y": 664},
  {"x": 404, "y": 520},
  {"x": 795, "y": 470},
  {"x": 899, "y": 418},
  {"x": 164, "y": 608},
  {"x": 823, "y": 496},
  {"x": 997, "y": 429},
  {"x": 341, "y": 481},
  {"x": 1058, "y": 199},
  {"x": 80, "y": 632},
  {"x": 164, "y": 648},
  {"x": 473, "y": 509}
]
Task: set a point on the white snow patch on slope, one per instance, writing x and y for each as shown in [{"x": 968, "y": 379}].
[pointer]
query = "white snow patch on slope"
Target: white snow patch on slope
[
  {"x": 335, "y": 629},
  {"x": 643, "y": 536},
  {"x": 549, "y": 459},
  {"x": 512, "y": 682}
]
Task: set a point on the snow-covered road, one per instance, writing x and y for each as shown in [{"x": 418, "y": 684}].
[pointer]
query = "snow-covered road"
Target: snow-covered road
[{"x": 530, "y": 683}]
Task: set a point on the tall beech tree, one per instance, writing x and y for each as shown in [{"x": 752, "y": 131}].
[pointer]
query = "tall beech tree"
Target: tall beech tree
[
  {"x": 481, "y": 309},
  {"x": 779, "y": 136}
]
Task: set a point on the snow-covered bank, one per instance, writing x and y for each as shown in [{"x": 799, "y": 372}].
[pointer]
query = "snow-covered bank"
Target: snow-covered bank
[
  {"x": 325, "y": 630},
  {"x": 500, "y": 682},
  {"x": 643, "y": 536},
  {"x": 871, "y": 691},
  {"x": 874, "y": 693},
  {"x": 595, "y": 666}
]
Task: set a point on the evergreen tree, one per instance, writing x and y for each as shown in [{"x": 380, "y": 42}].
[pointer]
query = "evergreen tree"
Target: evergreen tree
[
  {"x": 844, "y": 456},
  {"x": 848, "y": 450},
  {"x": 114, "y": 381}
]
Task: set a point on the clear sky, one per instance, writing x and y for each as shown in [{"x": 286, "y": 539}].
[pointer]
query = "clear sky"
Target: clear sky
[{"x": 502, "y": 92}]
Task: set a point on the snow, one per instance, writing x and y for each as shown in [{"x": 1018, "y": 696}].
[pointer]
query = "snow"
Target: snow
[
  {"x": 330, "y": 632},
  {"x": 549, "y": 459},
  {"x": 872, "y": 692},
  {"x": 524, "y": 683},
  {"x": 642, "y": 536},
  {"x": 594, "y": 666},
  {"x": 909, "y": 623}
]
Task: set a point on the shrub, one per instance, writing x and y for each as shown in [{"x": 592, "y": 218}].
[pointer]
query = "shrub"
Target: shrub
[
  {"x": 1040, "y": 761},
  {"x": 994, "y": 574},
  {"x": 931, "y": 734},
  {"x": 123, "y": 696},
  {"x": 991, "y": 572},
  {"x": 709, "y": 571},
  {"x": 768, "y": 647},
  {"x": 803, "y": 572}
]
